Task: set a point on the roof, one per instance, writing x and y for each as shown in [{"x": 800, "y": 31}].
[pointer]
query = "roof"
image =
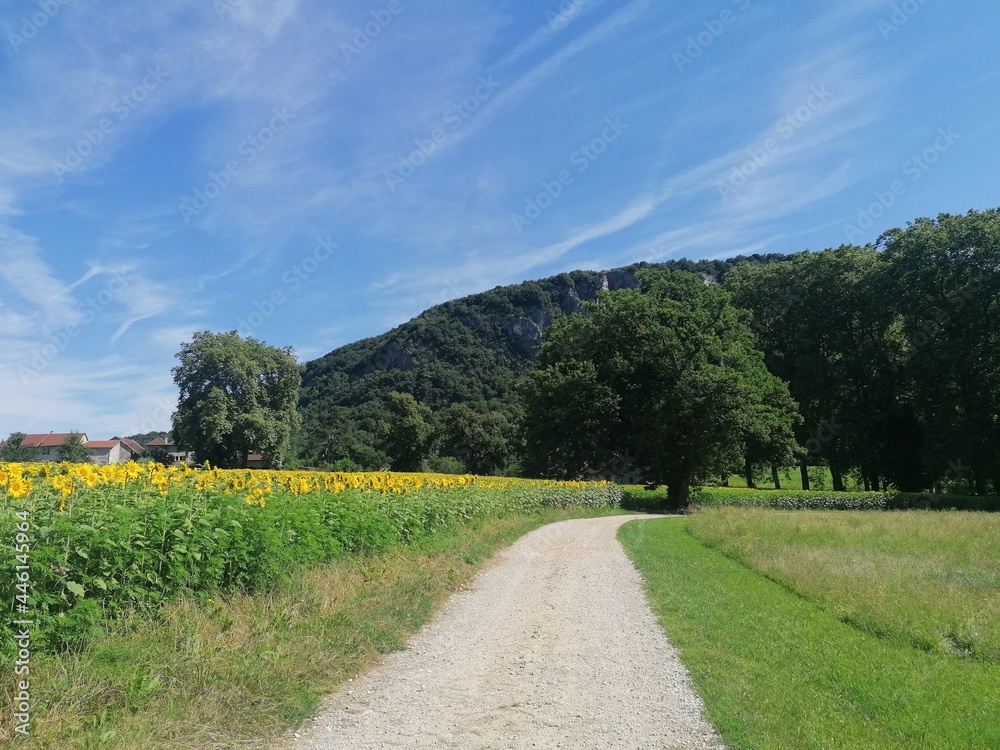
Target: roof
[
  {"x": 159, "y": 442},
  {"x": 131, "y": 445},
  {"x": 49, "y": 439},
  {"x": 101, "y": 443}
]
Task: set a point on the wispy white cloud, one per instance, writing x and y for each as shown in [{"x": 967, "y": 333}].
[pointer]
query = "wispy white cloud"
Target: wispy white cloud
[
  {"x": 558, "y": 19},
  {"x": 101, "y": 396},
  {"x": 797, "y": 176},
  {"x": 447, "y": 231},
  {"x": 520, "y": 87},
  {"x": 28, "y": 277}
]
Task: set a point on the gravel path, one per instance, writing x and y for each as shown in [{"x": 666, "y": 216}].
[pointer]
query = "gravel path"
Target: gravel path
[{"x": 552, "y": 646}]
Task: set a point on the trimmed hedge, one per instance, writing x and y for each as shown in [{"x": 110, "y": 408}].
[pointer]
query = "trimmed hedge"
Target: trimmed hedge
[{"x": 739, "y": 497}]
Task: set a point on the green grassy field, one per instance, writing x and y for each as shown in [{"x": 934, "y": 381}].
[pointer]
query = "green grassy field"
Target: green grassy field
[
  {"x": 931, "y": 580},
  {"x": 794, "y": 664},
  {"x": 791, "y": 479}
]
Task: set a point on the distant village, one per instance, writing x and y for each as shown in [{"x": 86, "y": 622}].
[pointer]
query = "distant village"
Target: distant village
[
  {"x": 48, "y": 446},
  {"x": 117, "y": 450}
]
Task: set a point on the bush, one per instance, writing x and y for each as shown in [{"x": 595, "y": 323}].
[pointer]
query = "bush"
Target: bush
[
  {"x": 445, "y": 465},
  {"x": 737, "y": 497}
]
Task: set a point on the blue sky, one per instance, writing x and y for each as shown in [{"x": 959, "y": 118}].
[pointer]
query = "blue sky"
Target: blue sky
[{"x": 313, "y": 172}]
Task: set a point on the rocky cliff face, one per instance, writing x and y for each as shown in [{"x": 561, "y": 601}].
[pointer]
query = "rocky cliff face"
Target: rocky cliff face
[
  {"x": 471, "y": 350},
  {"x": 525, "y": 331}
]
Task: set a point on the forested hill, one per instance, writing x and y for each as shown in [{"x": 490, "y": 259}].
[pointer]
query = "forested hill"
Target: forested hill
[{"x": 470, "y": 350}]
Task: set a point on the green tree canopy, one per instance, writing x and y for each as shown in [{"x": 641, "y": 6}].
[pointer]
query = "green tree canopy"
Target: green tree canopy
[
  {"x": 408, "y": 432},
  {"x": 891, "y": 352},
  {"x": 14, "y": 451},
  {"x": 941, "y": 282},
  {"x": 823, "y": 330},
  {"x": 332, "y": 440},
  {"x": 481, "y": 441},
  {"x": 237, "y": 396},
  {"x": 670, "y": 373},
  {"x": 73, "y": 450}
]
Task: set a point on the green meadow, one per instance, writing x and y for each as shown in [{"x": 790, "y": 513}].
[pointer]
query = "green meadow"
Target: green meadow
[{"x": 833, "y": 629}]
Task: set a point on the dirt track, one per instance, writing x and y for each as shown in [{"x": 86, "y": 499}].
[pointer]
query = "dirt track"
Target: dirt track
[{"x": 553, "y": 646}]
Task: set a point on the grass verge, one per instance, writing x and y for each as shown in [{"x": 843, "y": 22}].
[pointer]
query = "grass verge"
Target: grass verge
[
  {"x": 928, "y": 579},
  {"x": 234, "y": 671},
  {"x": 778, "y": 671}
]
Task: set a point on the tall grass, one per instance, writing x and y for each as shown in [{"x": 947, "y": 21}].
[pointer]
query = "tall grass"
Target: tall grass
[
  {"x": 928, "y": 579},
  {"x": 779, "y": 671}
]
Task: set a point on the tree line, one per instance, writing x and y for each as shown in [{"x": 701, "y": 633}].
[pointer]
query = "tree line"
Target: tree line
[
  {"x": 891, "y": 352},
  {"x": 887, "y": 358},
  {"x": 880, "y": 362}
]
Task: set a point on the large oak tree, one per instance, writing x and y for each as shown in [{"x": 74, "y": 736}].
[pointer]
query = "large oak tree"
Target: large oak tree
[
  {"x": 669, "y": 374},
  {"x": 237, "y": 396}
]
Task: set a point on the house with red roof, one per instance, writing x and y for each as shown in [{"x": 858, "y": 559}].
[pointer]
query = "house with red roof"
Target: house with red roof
[
  {"x": 104, "y": 452},
  {"x": 117, "y": 450},
  {"x": 48, "y": 444},
  {"x": 135, "y": 449},
  {"x": 114, "y": 451}
]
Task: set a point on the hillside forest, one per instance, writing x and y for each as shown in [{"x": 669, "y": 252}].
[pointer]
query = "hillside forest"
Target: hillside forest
[{"x": 886, "y": 359}]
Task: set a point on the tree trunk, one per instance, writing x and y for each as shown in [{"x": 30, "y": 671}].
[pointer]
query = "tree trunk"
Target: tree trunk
[
  {"x": 748, "y": 473},
  {"x": 838, "y": 479},
  {"x": 775, "y": 478},
  {"x": 804, "y": 471},
  {"x": 679, "y": 490},
  {"x": 980, "y": 483}
]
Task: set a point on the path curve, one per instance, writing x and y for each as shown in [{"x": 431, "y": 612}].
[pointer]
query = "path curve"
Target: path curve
[{"x": 552, "y": 646}]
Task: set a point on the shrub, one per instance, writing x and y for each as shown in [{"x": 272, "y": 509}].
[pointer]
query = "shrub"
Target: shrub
[{"x": 738, "y": 497}]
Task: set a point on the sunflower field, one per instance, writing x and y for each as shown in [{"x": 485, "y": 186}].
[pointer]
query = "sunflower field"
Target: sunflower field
[{"x": 83, "y": 543}]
